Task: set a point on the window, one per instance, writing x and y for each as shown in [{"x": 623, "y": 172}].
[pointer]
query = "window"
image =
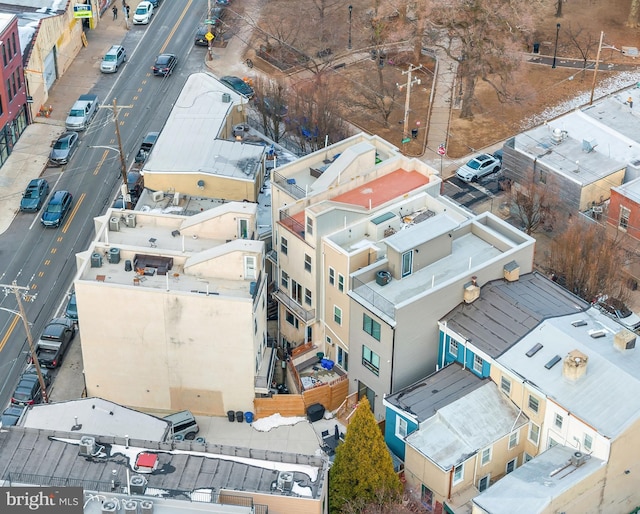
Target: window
[
  {"x": 343, "y": 359},
  {"x": 551, "y": 443},
  {"x": 284, "y": 279},
  {"x": 533, "y": 403},
  {"x": 401, "y": 427},
  {"x": 332, "y": 276},
  {"x": 291, "y": 319},
  {"x": 505, "y": 385},
  {"x": 407, "y": 263},
  {"x": 371, "y": 327},
  {"x": 4, "y": 54},
  {"x": 426, "y": 497},
  {"x": 558, "y": 421},
  {"x": 309, "y": 226},
  {"x": 307, "y": 296},
  {"x": 15, "y": 47},
  {"x": 329, "y": 342},
  {"x": 249, "y": 267},
  {"x": 511, "y": 465},
  {"x": 458, "y": 474},
  {"x": 534, "y": 433},
  {"x": 370, "y": 360},
  {"x": 527, "y": 457},
  {"x": 337, "y": 315},
  {"x": 588, "y": 442},
  {"x": 9, "y": 88},
  {"x": 284, "y": 246},
  {"x": 486, "y": 456},
  {"x": 453, "y": 347},
  {"x": 307, "y": 263},
  {"x": 624, "y": 218},
  {"x": 483, "y": 483},
  {"x": 477, "y": 364},
  {"x": 255, "y": 326},
  {"x": 296, "y": 291},
  {"x": 513, "y": 440},
  {"x": 340, "y": 283}
]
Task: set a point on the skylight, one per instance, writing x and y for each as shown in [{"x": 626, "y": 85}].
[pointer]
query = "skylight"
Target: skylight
[
  {"x": 534, "y": 350},
  {"x": 553, "y": 362}
]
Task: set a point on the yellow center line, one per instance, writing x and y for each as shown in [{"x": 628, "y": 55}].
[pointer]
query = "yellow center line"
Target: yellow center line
[
  {"x": 99, "y": 165},
  {"x": 73, "y": 213},
  {"x": 175, "y": 27},
  {"x": 7, "y": 335}
]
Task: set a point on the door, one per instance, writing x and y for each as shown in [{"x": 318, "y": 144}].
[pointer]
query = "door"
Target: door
[
  {"x": 50, "y": 73},
  {"x": 407, "y": 263},
  {"x": 243, "y": 228},
  {"x": 249, "y": 267}
]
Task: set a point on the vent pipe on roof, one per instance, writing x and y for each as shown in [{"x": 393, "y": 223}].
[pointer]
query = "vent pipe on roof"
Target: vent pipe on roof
[
  {"x": 624, "y": 340},
  {"x": 575, "y": 365}
]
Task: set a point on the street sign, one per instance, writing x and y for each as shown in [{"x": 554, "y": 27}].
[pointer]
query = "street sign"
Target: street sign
[
  {"x": 406, "y": 140},
  {"x": 442, "y": 150},
  {"x": 82, "y": 11},
  {"x": 209, "y": 36},
  {"x": 209, "y": 22}
]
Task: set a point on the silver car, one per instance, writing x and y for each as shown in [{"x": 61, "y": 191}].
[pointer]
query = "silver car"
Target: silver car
[
  {"x": 112, "y": 60},
  {"x": 63, "y": 148}
]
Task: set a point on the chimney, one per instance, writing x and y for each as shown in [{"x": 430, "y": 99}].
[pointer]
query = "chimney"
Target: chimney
[
  {"x": 471, "y": 290},
  {"x": 575, "y": 365},
  {"x": 511, "y": 271},
  {"x": 624, "y": 340}
]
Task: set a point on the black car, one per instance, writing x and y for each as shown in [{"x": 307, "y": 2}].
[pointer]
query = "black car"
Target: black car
[
  {"x": 35, "y": 195},
  {"x": 57, "y": 209},
  {"x": 238, "y": 85},
  {"x": 28, "y": 390},
  {"x": 146, "y": 146},
  {"x": 164, "y": 65},
  {"x": 135, "y": 183},
  {"x": 63, "y": 148},
  {"x": 11, "y": 415},
  {"x": 200, "y": 38}
]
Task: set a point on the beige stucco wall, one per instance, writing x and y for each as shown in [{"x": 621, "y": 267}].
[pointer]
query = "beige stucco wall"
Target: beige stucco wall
[
  {"x": 214, "y": 186},
  {"x": 600, "y": 191},
  {"x": 339, "y": 261}
]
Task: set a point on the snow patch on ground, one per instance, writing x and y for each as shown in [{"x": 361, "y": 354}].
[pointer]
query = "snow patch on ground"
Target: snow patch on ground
[{"x": 273, "y": 421}]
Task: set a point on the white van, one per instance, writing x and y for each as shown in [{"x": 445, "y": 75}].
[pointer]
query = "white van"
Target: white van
[{"x": 183, "y": 424}]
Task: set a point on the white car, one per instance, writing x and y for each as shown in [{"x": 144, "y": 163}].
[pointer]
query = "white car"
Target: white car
[
  {"x": 478, "y": 167},
  {"x": 617, "y": 310},
  {"x": 143, "y": 13}
]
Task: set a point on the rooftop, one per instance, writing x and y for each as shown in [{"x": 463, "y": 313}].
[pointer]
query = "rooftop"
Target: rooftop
[
  {"x": 190, "y": 140},
  {"x": 95, "y": 416},
  {"x": 507, "y": 311},
  {"x": 610, "y": 409},
  {"x": 531, "y": 488},
  {"x": 631, "y": 190},
  {"x": 185, "y": 470},
  {"x": 424, "y": 398},
  {"x": 448, "y": 438}
]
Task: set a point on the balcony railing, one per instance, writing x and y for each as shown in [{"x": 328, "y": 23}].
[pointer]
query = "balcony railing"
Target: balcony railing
[
  {"x": 292, "y": 224},
  {"x": 272, "y": 255},
  {"x": 373, "y": 298},
  {"x": 297, "y": 309},
  {"x": 289, "y": 185}
]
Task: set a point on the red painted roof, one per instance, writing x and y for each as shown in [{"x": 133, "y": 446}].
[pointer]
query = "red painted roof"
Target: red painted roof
[
  {"x": 146, "y": 460},
  {"x": 383, "y": 189}
]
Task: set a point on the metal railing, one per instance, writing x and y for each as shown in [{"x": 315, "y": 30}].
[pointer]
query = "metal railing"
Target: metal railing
[
  {"x": 302, "y": 313},
  {"x": 370, "y": 296},
  {"x": 289, "y": 185},
  {"x": 292, "y": 224}
]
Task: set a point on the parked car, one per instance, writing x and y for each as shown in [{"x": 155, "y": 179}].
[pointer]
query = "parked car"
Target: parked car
[
  {"x": 238, "y": 85},
  {"x": 616, "y": 309},
  {"x": 11, "y": 415},
  {"x": 56, "y": 209},
  {"x": 143, "y": 13},
  {"x": 35, "y": 195},
  {"x": 64, "y": 148},
  {"x": 71, "y": 311},
  {"x": 498, "y": 155},
  {"x": 146, "y": 146},
  {"x": 164, "y": 65},
  {"x": 200, "y": 37},
  {"x": 135, "y": 183},
  {"x": 478, "y": 167},
  {"x": 155, "y": 3},
  {"x": 54, "y": 342},
  {"x": 112, "y": 60},
  {"x": 120, "y": 203},
  {"x": 28, "y": 391},
  {"x": 274, "y": 107}
]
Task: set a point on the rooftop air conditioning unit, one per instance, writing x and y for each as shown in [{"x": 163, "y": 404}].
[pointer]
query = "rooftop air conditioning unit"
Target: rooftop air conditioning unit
[
  {"x": 109, "y": 506},
  {"x": 87, "y": 446},
  {"x": 578, "y": 459},
  {"x": 130, "y": 506},
  {"x": 597, "y": 333},
  {"x": 146, "y": 507},
  {"x": 137, "y": 484},
  {"x": 285, "y": 481},
  {"x": 114, "y": 223},
  {"x": 157, "y": 196},
  {"x": 130, "y": 220}
]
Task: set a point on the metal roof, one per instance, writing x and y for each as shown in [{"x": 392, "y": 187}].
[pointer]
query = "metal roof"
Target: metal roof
[
  {"x": 425, "y": 397},
  {"x": 507, "y": 311},
  {"x": 463, "y": 427},
  {"x": 531, "y": 488},
  {"x": 607, "y": 397}
]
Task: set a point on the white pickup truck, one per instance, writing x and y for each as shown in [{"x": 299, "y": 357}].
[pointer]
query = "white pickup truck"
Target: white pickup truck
[{"x": 82, "y": 112}]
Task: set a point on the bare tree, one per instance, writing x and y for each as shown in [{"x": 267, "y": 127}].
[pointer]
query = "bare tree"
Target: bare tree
[
  {"x": 533, "y": 203},
  {"x": 634, "y": 10},
  {"x": 271, "y": 103},
  {"x": 587, "y": 261},
  {"x": 584, "y": 42},
  {"x": 559, "y": 8},
  {"x": 484, "y": 36}
]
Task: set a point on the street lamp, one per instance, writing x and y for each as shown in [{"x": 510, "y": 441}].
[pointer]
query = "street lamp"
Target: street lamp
[
  {"x": 350, "y": 9},
  {"x": 555, "y": 49}
]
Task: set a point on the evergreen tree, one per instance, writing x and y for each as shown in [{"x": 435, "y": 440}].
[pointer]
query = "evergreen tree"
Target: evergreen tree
[{"x": 363, "y": 469}]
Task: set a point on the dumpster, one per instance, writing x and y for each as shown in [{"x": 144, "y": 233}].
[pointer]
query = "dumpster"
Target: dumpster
[{"x": 248, "y": 417}]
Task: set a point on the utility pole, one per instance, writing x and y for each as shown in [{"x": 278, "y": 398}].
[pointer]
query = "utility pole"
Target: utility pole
[
  {"x": 123, "y": 162},
  {"x": 209, "y": 20},
  {"x": 595, "y": 70},
  {"x": 19, "y": 291},
  {"x": 405, "y": 128}
]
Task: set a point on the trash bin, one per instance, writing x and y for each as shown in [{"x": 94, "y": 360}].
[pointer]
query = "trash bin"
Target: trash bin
[
  {"x": 536, "y": 48},
  {"x": 315, "y": 412},
  {"x": 231, "y": 415},
  {"x": 248, "y": 417},
  {"x": 239, "y": 416}
]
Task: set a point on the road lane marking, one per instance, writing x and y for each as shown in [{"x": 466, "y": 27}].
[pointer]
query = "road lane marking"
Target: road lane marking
[
  {"x": 73, "y": 213},
  {"x": 175, "y": 27},
  {"x": 7, "y": 335}
]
